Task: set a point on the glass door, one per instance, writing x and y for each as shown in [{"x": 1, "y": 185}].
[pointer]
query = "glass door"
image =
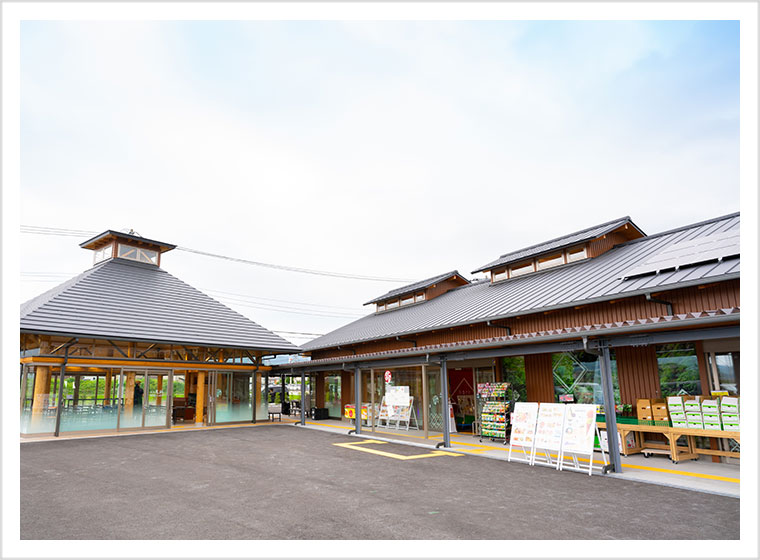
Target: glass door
[
  {"x": 157, "y": 399},
  {"x": 131, "y": 391},
  {"x": 332, "y": 396},
  {"x": 435, "y": 406},
  {"x": 230, "y": 397}
]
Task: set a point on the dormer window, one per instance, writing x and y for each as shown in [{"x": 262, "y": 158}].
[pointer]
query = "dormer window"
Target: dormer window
[
  {"x": 420, "y": 297},
  {"x": 576, "y": 253},
  {"x": 520, "y": 269},
  {"x": 407, "y": 300},
  {"x": 500, "y": 275},
  {"x": 103, "y": 254},
  {"x": 550, "y": 261},
  {"x": 137, "y": 254},
  {"x": 392, "y": 304},
  {"x": 381, "y": 307}
]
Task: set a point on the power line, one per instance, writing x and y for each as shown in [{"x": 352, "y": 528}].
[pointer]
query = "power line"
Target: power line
[
  {"x": 280, "y": 300},
  {"x": 42, "y": 230}
]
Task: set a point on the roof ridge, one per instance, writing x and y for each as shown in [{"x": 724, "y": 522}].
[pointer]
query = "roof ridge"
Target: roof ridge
[
  {"x": 624, "y": 218},
  {"x": 682, "y": 228}
]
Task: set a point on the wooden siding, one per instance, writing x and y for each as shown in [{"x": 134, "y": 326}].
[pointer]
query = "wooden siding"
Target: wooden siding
[
  {"x": 709, "y": 297},
  {"x": 603, "y": 244},
  {"x": 539, "y": 380},
  {"x": 638, "y": 376},
  {"x": 442, "y": 287}
]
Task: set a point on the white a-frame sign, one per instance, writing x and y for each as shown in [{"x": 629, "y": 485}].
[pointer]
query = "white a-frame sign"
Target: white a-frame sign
[
  {"x": 549, "y": 427},
  {"x": 578, "y": 438},
  {"x": 523, "y": 431}
]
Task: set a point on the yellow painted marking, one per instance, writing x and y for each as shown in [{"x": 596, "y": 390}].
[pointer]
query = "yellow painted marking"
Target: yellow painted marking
[
  {"x": 684, "y": 473},
  {"x": 356, "y": 445}
]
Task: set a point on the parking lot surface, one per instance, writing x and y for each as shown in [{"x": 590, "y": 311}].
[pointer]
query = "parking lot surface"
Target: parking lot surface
[{"x": 284, "y": 482}]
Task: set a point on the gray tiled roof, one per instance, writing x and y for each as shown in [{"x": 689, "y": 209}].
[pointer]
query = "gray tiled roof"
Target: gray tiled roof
[
  {"x": 421, "y": 285},
  {"x": 585, "y": 281},
  {"x": 559, "y": 243},
  {"x": 123, "y": 299}
]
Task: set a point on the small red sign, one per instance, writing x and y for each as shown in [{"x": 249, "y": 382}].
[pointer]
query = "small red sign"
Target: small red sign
[{"x": 387, "y": 376}]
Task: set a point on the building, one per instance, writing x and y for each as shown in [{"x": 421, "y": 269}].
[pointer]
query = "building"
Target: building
[
  {"x": 660, "y": 311},
  {"x": 127, "y": 346}
]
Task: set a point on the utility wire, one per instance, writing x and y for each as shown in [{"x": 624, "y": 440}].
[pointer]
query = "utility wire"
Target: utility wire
[{"x": 42, "y": 230}]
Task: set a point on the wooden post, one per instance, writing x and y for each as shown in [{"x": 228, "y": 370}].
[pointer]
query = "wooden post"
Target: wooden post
[
  {"x": 321, "y": 389},
  {"x": 187, "y": 385},
  {"x": 199, "y": 400},
  {"x": 129, "y": 393},
  {"x": 257, "y": 397},
  {"x": 41, "y": 390},
  {"x": 159, "y": 387},
  {"x": 77, "y": 383},
  {"x": 107, "y": 400}
]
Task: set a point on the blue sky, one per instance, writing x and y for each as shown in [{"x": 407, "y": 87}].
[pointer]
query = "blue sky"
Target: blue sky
[{"x": 401, "y": 149}]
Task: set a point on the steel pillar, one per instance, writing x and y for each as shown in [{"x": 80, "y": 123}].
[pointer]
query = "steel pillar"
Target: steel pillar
[
  {"x": 609, "y": 405},
  {"x": 358, "y": 400},
  {"x": 303, "y": 398},
  {"x": 445, "y": 403}
]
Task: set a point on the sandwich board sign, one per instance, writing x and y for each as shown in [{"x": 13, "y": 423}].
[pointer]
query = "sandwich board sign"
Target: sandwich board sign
[
  {"x": 523, "y": 429},
  {"x": 549, "y": 426},
  {"x": 578, "y": 436}
]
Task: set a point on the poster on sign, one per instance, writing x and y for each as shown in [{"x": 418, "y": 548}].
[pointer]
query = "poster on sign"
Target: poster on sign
[
  {"x": 397, "y": 396},
  {"x": 551, "y": 417},
  {"x": 524, "y": 424},
  {"x": 523, "y": 428},
  {"x": 580, "y": 423}
]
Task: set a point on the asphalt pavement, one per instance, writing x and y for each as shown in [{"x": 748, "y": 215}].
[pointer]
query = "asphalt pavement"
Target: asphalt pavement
[{"x": 285, "y": 482}]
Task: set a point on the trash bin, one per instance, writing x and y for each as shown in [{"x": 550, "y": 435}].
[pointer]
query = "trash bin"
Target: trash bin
[{"x": 319, "y": 414}]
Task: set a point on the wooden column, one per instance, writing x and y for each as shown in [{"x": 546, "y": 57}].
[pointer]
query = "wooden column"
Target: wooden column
[
  {"x": 346, "y": 390},
  {"x": 41, "y": 390},
  {"x": 321, "y": 389},
  {"x": 159, "y": 388},
  {"x": 107, "y": 400},
  {"x": 77, "y": 383},
  {"x": 199, "y": 400},
  {"x": 638, "y": 375},
  {"x": 129, "y": 393},
  {"x": 187, "y": 385},
  {"x": 539, "y": 380}
]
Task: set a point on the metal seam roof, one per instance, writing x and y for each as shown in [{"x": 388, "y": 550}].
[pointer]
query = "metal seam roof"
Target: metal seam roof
[
  {"x": 587, "y": 281},
  {"x": 558, "y": 243},
  {"x": 125, "y": 299},
  {"x": 420, "y": 285}
]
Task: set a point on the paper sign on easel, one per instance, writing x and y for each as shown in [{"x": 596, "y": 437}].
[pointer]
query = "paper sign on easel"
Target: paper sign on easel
[
  {"x": 551, "y": 418},
  {"x": 523, "y": 429},
  {"x": 578, "y": 435}
]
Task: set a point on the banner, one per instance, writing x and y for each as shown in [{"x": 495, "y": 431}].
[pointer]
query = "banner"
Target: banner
[{"x": 524, "y": 424}]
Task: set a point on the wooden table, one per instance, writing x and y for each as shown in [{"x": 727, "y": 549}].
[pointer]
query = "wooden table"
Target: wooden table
[{"x": 677, "y": 453}]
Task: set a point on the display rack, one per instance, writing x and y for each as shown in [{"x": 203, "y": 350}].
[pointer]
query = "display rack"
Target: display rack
[{"x": 493, "y": 408}]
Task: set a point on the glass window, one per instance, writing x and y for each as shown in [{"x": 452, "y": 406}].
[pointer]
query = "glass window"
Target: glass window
[
  {"x": 578, "y": 374},
  {"x": 103, "y": 254},
  {"x": 407, "y": 300},
  {"x": 138, "y": 254},
  {"x": 576, "y": 253},
  {"x": 420, "y": 297},
  {"x": 381, "y": 307},
  {"x": 392, "y": 304},
  {"x": 520, "y": 269},
  {"x": 727, "y": 364},
  {"x": 514, "y": 374},
  {"x": 679, "y": 369},
  {"x": 501, "y": 275},
  {"x": 550, "y": 261}
]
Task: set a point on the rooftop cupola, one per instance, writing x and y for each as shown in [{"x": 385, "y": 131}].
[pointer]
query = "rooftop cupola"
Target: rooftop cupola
[{"x": 131, "y": 246}]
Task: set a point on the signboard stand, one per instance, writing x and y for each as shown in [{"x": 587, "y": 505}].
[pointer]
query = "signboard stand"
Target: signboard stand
[
  {"x": 400, "y": 413},
  {"x": 549, "y": 430},
  {"x": 578, "y": 438},
  {"x": 523, "y": 430}
]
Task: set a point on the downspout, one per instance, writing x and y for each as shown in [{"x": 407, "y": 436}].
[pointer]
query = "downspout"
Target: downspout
[
  {"x": 508, "y": 329},
  {"x": 667, "y": 304},
  {"x": 255, "y": 392}
]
